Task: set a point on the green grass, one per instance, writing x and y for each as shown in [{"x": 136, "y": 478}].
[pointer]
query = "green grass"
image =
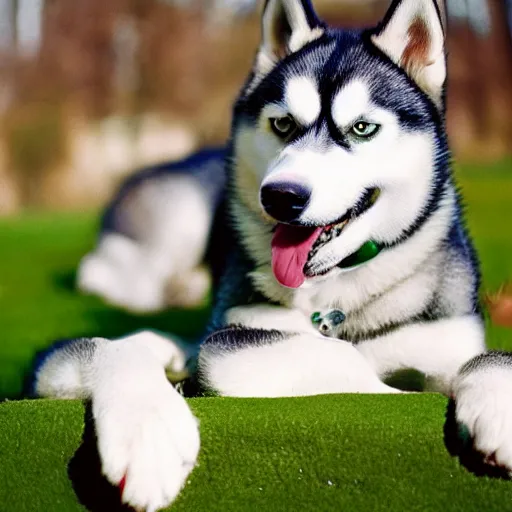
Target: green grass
[
  {"x": 361, "y": 453},
  {"x": 378, "y": 452}
]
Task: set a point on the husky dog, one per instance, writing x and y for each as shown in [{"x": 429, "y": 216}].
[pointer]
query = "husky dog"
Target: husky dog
[{"x": 339, "y": 196}]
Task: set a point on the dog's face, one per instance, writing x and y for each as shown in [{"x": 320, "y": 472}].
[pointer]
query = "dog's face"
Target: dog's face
[{"x": 336, "y": 133}]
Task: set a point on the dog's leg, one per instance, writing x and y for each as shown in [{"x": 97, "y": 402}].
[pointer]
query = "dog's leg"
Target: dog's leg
[
  {"x": 188, "y": 288},
  {"x": 147, "y": 435},
  {"x": 124, "y": 273},
  {"x": 165, "y": 228},
  {"x": 277, "y": 353},
  {"x": 479, "y": 420},
  {"x": 451, "y": 353},
  {"x": 266, "y": 316},
  {"x": 248, "y": 362},
  {"x": 437, "y": 349}
]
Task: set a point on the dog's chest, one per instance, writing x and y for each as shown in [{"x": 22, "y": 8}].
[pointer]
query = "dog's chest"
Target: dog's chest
[{"x": 367, "y": 310}]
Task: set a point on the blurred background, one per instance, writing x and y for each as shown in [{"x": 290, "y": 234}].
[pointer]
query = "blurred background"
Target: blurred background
[{"x": 90, "y": 90}]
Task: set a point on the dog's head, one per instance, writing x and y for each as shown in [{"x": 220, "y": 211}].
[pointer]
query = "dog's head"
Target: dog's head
[{"x": 337, "y": 135}]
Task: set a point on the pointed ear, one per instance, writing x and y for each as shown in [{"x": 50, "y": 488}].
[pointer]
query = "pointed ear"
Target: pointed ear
[
  {"x": 286, "y": 26},
  {"x": 413, "y": 36}
]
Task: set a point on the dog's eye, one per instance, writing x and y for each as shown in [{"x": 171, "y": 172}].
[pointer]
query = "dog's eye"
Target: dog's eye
[
  {"x": 364, "y": 130},
  {"x": 283, "y": 126}
]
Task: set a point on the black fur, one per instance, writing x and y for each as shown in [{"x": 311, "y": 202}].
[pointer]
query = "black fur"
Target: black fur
[{"x": 236, "y": 336}]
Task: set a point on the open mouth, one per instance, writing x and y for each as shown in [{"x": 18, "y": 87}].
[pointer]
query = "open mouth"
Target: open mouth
[{"x": 294, "y": 246}]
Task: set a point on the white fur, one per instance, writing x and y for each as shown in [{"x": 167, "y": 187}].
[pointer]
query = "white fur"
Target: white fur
[
  {"x": 484, "y": 406},
  {"x": 306, "y": 364},
  {"x": 395, "y": 37},
  {"x": 401, "y": 169},
  {"x": 188, "y": 288},
  {"x": 457, "y": 288},
  {"x": 66, "y": 372},
  {"x": 62, "y": 373},
  {"x": 122, "y": 273},
  {"x": 168, "y": 351},
  {"x": 303, "y": 99},
  {"x": 171, "y": 221},
  {"x": 397, "y": 162},
  {"x": 406, "y": 182},
  {"x": 407, "y": 296},
  {"x": 350, "y": 103},
  {"x": 437, "y": 349},
  {"x": 146, "y": 431},
  {"x": 408, "y": 267},
  {"x": 391, "y": 268},
  {"x": 256, "y": 150},
  {"x": 266, "y": 316},
  {"x": 301, "y": 32}
]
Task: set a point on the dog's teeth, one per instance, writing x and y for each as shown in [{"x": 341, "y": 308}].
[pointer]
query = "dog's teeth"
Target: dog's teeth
[
  {"x": 335, "y": 230},
  {"x": 328, "y": 234}
]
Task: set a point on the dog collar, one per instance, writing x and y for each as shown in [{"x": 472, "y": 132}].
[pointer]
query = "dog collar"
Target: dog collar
[{"x": 365, "y": 253}]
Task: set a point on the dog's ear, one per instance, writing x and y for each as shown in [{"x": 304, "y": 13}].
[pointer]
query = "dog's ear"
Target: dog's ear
[
  {"x": 412, "y": 35},
  {"x": 286, "y": 26}
]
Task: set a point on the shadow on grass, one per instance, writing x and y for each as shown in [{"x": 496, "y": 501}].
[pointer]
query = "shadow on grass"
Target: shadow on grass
[
  {"x": 66, "y": 281},
  {"x": 92, "y": 489},
  {"x": 111, "y": 322},
  {"x": 459, "y": 443}
]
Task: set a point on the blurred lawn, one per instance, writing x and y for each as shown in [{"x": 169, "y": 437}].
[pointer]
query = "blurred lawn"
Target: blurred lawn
[{"x": 321, "y": 453}]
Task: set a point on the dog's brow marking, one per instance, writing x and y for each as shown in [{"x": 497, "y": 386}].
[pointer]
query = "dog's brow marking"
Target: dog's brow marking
[
  {"x": 303, "y": 99},
  {"x": 351, "y": 101}
]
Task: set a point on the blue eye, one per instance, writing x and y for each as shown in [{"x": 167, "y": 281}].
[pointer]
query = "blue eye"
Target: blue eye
[
  {"x": 364, "y": 130},
  {"x": 283, "y": 126}
]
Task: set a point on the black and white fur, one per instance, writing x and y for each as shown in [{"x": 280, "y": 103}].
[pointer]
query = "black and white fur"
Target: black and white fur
[
  {"x": 414, "y": 306},
  {"x": 141, "y": 264}
]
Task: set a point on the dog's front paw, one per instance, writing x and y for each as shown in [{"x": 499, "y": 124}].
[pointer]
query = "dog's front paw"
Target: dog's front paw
[
  {"x": 148, "y": 441},
  {"x": 478, "y": 427}
]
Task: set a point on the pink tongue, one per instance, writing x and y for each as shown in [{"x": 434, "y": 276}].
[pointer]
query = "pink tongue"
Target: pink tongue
[{"x": 290, "y": 249}]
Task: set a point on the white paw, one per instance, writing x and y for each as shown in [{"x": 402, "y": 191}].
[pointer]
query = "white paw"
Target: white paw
[
  {"x": 148, "y": 440},
  {"x": 97, "y": 276},
  {"x": 172, "y": 353},
  {"x": 188, "y": 288},
  {"x": 131, "y": 286},
  {"x": 483, "y": 399}
]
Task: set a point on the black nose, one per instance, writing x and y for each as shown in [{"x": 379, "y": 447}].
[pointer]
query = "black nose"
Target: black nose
[{"x": 284, "y": 201}]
